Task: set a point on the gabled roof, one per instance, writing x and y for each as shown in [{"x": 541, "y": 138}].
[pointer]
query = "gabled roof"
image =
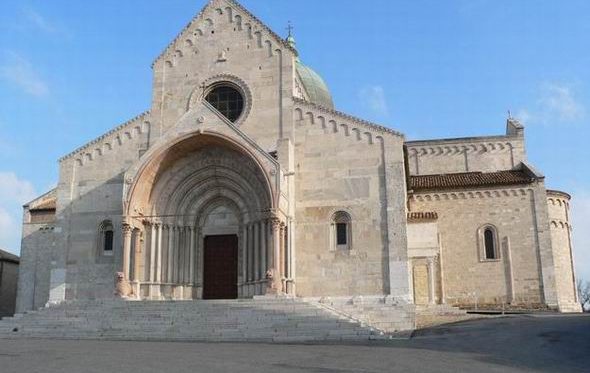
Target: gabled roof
[
  {"x": 50, "y": 204},
  {"x": 230, "y": 3},
  {"x": 46, "y": 201},
  {"x": 470, "y": 180},
  {"x": 5, "y": 256}
]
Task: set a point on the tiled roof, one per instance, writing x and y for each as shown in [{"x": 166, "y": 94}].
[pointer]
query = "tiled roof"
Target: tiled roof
[
  {"x": 417, "y": 216},
  {"x": 50, "y": 204},
  {"x": 469, "y": 180}
]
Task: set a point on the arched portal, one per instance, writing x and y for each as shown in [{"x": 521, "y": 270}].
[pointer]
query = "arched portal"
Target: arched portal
[{"x": 201, "y": 201}]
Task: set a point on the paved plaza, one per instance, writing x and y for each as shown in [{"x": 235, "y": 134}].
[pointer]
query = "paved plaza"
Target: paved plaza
[{"x": 543, "y": 343}]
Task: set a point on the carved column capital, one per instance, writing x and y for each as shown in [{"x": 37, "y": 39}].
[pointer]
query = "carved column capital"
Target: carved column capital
[
  {"x": 432, "y": 260},
  {"x": 127, "y": 229},
  {"x": 276, "y": 222}
]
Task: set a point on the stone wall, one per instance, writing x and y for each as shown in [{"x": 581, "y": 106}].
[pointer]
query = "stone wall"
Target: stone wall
[
  {"x": 559, "y": 211},
  {"x": 90, "y": 192},
  {"x": 516, "y": 276},
  {"x": 224, "y": 43},
  {"x": 38, "y": 257},
  {"x": 485, "y": 154},
  {"x": 340, "y": 165},
  {"x": 227, "y": 43},
  {"x": 37, "y": 254},
  {"x": 8, "y": 286}
]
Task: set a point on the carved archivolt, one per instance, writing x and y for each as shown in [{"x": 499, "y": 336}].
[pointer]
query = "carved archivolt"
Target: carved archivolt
[
  {"x": 209, "y": 174},
  {"x": 181, "y": 180}
]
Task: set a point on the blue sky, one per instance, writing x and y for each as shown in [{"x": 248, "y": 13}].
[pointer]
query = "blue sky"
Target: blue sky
[{"x": 71, "y": 70}]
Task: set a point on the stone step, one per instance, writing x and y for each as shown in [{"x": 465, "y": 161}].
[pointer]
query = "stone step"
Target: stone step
[{"x": 278, "y": 320}]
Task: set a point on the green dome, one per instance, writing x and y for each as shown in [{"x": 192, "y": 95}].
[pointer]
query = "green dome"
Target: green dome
[{"x": 315, "y": 86}]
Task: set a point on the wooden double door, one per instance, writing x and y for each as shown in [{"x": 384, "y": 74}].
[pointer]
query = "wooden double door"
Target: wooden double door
[{"x": 220, "y": 267}]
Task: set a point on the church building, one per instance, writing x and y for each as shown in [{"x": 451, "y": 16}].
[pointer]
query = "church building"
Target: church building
[{"x": 242, "y": 180}]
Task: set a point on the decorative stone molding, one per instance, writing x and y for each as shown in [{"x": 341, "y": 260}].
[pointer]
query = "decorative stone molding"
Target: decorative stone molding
[
  {"x": 474, "y": 147},
  {"x": 327, "y": 116},
  {"x": 105, "y": 143},
  {"x": 276, "y": 222},
  {"x": 202, "y": 24},
  {"x": 491, "y": 144},
  {"x": 439, "y": 196},
  {"x": 557, "y": 223},
  {"x": 200, "y": 92},
  {"x": 127, "y": 229},
  {"x": 419, "y": 216}
]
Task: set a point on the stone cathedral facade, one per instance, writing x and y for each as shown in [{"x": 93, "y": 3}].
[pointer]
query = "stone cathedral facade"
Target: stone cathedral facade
[{"x": 242, "y": 180}]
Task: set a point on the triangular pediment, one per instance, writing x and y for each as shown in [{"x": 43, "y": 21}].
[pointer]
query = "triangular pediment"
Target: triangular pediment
[
  {"x": 204, "y": 120},
  {"x": 204, "y": 21}
]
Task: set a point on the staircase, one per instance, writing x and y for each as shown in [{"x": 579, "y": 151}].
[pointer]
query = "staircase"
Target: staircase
[
  {"x": 263, "y": 320},
  {"x": 380, "y": 313}
]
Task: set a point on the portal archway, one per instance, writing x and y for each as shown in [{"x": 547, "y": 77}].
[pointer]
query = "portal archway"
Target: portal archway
[{"x": 201, "y": 187}]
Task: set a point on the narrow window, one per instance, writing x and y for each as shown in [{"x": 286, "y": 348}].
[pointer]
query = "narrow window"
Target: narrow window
[
  {"x": 489, "y": 243},
  {"x": 341, "y": 232},
  {"x": 105, "y": 238},
  {"x": 108, "y": 241}
]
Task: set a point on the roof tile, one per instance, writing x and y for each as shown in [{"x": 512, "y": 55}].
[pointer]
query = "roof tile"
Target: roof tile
[{"x": 469, "y": 180}]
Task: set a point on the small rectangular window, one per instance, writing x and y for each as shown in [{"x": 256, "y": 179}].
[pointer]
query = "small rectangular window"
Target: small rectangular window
[
  {"x": 341, "y": 236},
  {"x": 108, "y": 241}
]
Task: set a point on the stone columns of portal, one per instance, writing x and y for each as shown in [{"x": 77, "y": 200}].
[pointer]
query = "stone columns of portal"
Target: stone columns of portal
[
  {"x": 199, "y": 253},
  {"x": 153, "y": 242},
  {"x": 181, "y": 255},
  {"x": 159, "y": 253},
  {"x": 170, "y": 271},
  {"x": 263, "y": 234},
  {"x": 256, "y": 239},
  {"x": 137, "y": 254},
  {"x": 250, "y": 252},
  {"x": 275, "y": 286},
  {"x": 127, "y": 229},
  {"x": 245, "y": 254},
  {"x": 269, "y": 245},
  {"x": 192, "y": 251},
  {"x": 258, "y": 255}
]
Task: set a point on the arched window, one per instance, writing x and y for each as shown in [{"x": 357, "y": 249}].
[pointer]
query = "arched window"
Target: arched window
[
  {"x": 341, "y": 230},
  {"x": 106, "y": 237},
  {"x": 228, "y": 100},
  {"x": 489, "y": 243}
]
